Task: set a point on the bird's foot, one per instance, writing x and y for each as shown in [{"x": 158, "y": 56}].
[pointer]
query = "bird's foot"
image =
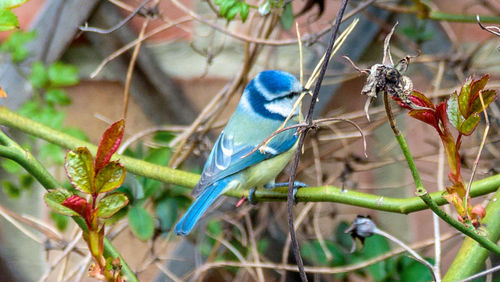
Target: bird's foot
[
  {"x": 296, "y": 186},
  {"x": 251, "y": 196}
]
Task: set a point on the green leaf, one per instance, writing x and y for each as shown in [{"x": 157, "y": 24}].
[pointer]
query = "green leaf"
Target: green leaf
[
  {"x": 10, "y": 4},
  {"x": 11, "y": 190},
  {"x": 111, "y": 204},
  {"x": 39, "y": 76},
  {"x": 233, "y": 11},
  {"x": 8, "y": 20},
  {"x": 141, "y": 223},
  {"x": 488, "y": 97},
  {"x": 453, "y": 112},
  {"x": 80, "y": 169},
  {"x": 214, "y": 227},
  {"x": 110, "y": 177},
  {"x": 10, "y": 166},
  {"x": 29, "y": 109},
  {"x": 315, "y": 253},
  {"x": 225, "y": 6},
  {"x": 110, "y": 140},
  {"x": 60, "y": 220},
  {"x": 478, "y": 85},
  {"x": 343, "y": 239},
  {"x": 166, "y": 211},
  {"x": 163, "y": 136},
  {"x": 55, "y": 198},
  {"x": 464, "y": 98},
  {"x": 26, "y": 180},
  {"x": 417, "y": 33},
  {"x": 52, "y": 152},
  {"x": 57, "y": 96},
  {"x": 263, "y": 245},
  {"x": 416, "y": 272},
  {"x": 15, "y": 45},
  {"x": 375, "y": 246},
  {"x": 75, "y": 132},
  {"x": 470, "y": 124},
  {"x": 286, "y": 19},
  {"x": 244, "y": 10},
  {"x": 61, "y": 74},
  {"x": 159, "y": 156}
]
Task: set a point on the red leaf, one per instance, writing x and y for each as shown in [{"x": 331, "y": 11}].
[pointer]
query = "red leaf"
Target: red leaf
[
  {"x": 421, "y": 100},
  {"x": 110, "y": 141},
  {"x": 427, "y": 116},
  {"x": 478, "y": 85},
  {"x": 79, "y": 205}
]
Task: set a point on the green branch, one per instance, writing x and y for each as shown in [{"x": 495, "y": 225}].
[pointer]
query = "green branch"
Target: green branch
[
  {"x": 11, "y": 150},
  {"x": 471, "y": 256},
  {"x": 187, "y": 179}
]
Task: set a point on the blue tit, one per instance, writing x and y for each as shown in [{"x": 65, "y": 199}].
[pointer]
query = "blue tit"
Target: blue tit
[{"x": 266, "y": 102}]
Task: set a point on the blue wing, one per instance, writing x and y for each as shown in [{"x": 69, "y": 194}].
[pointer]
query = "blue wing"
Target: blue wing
[{"x": 227, "y": 157}]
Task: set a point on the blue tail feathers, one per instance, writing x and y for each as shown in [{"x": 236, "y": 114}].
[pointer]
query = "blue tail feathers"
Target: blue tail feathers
[{"x": 199, "y": 207}]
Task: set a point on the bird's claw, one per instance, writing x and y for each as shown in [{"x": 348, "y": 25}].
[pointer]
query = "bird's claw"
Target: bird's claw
[
  {"x": 251, "y": 196},
  {"x": 296, "y": 186}
]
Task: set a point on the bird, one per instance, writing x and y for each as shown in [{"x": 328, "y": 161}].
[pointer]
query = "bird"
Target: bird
[{"x": 265, "y": 104}]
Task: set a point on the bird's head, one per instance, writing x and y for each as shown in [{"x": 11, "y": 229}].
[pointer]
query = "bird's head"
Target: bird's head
[{"x": 272, "y": 94}]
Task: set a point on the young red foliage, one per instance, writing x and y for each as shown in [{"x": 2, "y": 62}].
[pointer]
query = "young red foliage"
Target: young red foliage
[
  {"x": 463, "y": 112},
  {"x": 110, "y": 141}
]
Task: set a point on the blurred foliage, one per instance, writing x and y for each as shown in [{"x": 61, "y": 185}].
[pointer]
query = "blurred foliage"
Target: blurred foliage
[
  {"x": 46, "y": 106},
  {"x": 167, "y": 200},
  {"x": 400, "y": 268}
]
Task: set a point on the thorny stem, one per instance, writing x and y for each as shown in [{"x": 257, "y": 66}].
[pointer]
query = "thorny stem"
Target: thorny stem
[
  {"x": 308, "y": 120},
  {"x": 424, "y": 195},
  {"x": 11, "y": 150}
]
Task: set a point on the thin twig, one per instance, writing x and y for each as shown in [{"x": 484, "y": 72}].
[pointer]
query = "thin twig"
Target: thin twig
[
  {"x": 286, "y": 248},
  {"x": 257, "y": 40},
  {"x": 21, "y": 228},
  {"x": 476, "y": 161},
  {"x": 167, "y": 272},
  {"x": 66, "y": 251},
  {"x": 440, "y": 169},
  {"x": 482, "y": 273},
  {"x": 327, "y": 270},
  {"x": 410, "y": 250},
  {"x": 117, "y": 26},
  {"x": 308, "y": 120},
  {"x": 305, "y": 126},
  {"x": 319, "y": 182},
  {"x": 131, "y": 65},
  {"x": 253, "y": 246},
  {"x": 123, "y": 49}
]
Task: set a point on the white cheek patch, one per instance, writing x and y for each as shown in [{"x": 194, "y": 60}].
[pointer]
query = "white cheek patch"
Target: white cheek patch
[
  {"x": 262, "y": 90},
  {"x": 281, "y": 107},
  {"x": 244, "y": 103}
]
